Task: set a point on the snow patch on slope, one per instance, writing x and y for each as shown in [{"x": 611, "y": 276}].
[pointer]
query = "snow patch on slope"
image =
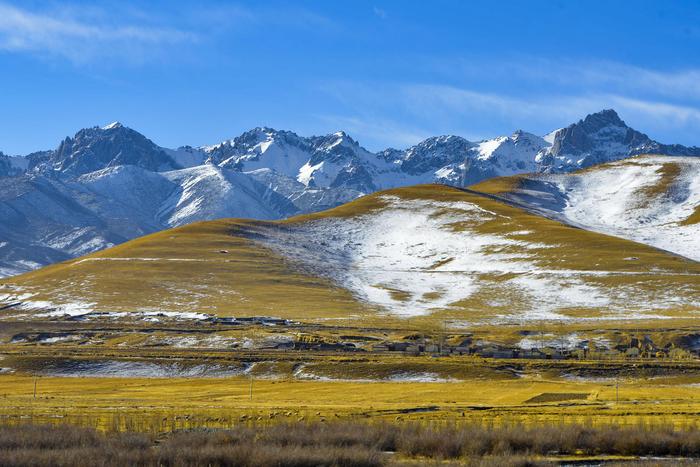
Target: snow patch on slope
[
  {"x": 644, "y": 199},
  {"x": 210, "y": 192},
  {"x": 416, "y": 256}
]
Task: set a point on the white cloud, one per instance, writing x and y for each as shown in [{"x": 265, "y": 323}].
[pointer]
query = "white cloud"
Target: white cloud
[
  {"x": 222, "y": 18},
  {"x": 62, "y": 33},
  {"x": 375, "y": 133},
  {"x": 379, "y": 12},
  {"x": 589, "y": 75},
  {"x": 400, "y": 114},
  {"x": 682, "y": 84},
  {"x": 444, "y": 100},
  {"x": 669, "y": 113}
]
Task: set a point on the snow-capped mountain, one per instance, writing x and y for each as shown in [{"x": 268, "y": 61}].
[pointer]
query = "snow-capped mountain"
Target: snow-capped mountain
[
  {"x": 332, "y": 161},
  {"x": 108, "y": 184},
  {"x": 599, "y": 138},
  {"x": 49, "y": 219},
  {"x": 97, "y": 148}
]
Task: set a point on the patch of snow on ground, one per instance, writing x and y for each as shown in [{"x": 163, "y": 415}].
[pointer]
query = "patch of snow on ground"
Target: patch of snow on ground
[
  {"x": 56, "y": 339},
  {"x": 180, "y": 342},
  {"x": 409, "y": 259},
  {"x": 567, "y": 342},
  {"x": 64, "y": 309},
  {"x": 86, "y": 311},
  {"x": 137, "y": 369},
  {"x": 152, "y": 316},
  {"x": 399, "y": 377},
  {"x": 612, "y": 199}
]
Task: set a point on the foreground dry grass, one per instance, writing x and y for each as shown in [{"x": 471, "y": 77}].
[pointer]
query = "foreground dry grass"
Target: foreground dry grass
[{"x": 346, "y": 444}]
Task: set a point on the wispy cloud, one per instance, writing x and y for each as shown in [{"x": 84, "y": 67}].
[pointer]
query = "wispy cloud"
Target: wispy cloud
[
  {"x": 64, "y": 33},
  {"x": 379, "y": 12},
  {"x": 664, "y": 113},
  {"x": 583, "y": 74},
  {"x": 402, "y": 112},
  {"x": 224, "y": 17},
  {"x": 445, "y": 100},
  {"x": 374, "y": 132},
  {"x": 682, "y": 84}
]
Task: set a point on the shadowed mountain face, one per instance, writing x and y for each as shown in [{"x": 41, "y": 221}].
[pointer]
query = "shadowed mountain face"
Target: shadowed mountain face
[
  {"x": 109, "y": 184},
  {"x": 94, "y": 149},
  {"x": 599, "y": 138}
]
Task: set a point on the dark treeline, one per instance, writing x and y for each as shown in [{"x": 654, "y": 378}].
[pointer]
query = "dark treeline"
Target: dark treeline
[{"x": 340, "y": 444}]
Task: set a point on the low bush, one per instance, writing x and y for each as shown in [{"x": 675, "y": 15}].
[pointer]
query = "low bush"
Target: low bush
[{"x": 339, "y": 444}]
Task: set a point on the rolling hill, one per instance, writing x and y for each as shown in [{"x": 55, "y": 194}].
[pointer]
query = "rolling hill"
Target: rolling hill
[
  {"x": 427, "y": 251},
  {"x": 650, "y": 199}
]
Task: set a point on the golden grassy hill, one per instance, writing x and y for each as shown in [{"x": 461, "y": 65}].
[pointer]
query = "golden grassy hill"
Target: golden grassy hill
[{"x": 424, "y": 251}]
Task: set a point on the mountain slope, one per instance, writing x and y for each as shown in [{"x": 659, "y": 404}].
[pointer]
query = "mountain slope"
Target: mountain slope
[
  {"x": 649, "y": 199},
  {"x": 421, "y": 251},
  {"x": 11, "y": 166},
  {"x": 48, "y": 219}
]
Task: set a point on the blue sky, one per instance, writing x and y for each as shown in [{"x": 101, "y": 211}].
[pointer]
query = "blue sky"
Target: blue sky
[{"x": 388, "y": 72}]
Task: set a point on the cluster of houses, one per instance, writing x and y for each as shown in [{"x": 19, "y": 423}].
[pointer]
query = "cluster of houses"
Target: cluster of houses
[
  {"x": 254, "y": 320},
  {"x": 634, "y": 348},
  {"x": 466, "y": 347}
]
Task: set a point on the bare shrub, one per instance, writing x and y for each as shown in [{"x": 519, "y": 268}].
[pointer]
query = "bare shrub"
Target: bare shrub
[{"x": 339, "y": 445}]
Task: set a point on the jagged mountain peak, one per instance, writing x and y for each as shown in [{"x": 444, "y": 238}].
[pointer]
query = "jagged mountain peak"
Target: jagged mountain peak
[
  {"x": 605, "y": 116},
  {"x": 248, "y": 140},
  {"x": 519, "y": 135},
  {"x": 95, "y": 148},
  {"x": 334, "y": 141},
  {"x": 443, "y": 143},
  {"x": 443, "y": 139},
  {"x": 599, "y": 137},
  {"x": 113, "y": 126}
]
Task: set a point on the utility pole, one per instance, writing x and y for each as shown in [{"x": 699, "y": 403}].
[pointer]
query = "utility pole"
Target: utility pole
[
  {"x": 35, "y": 378},
  {"x": 253, "y": 332},
  {"x": 617, "y": 391},
  {"x": 443, "y": 341}
]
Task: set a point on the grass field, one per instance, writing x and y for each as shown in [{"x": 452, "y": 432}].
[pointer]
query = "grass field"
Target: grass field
[{"x": 537, "y": 395}]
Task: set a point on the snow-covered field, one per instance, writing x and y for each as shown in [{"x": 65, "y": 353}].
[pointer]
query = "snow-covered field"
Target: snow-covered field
[
  {"x": 566, "y": 341},
  {"x": 304, "y": 373},
  {"x": 136, "y": 369},
  {"x": 645, "y": 199},
  {"x": 416, "y": 256}
]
